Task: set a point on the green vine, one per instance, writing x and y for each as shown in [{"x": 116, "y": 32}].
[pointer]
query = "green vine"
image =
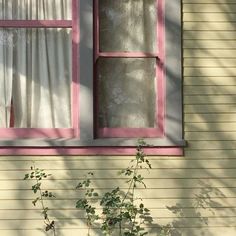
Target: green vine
[
  {"x": 120, "y": 209},
  {"x": 38, "y": 175}
]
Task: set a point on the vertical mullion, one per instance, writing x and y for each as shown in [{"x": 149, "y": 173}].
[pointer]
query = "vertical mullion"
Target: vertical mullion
[
  {"x": 160, "y": 67},
  {"x": 96, "y": 27},
  {"x": 96, "y": 57},
  {"x": 75, "y": 68}
]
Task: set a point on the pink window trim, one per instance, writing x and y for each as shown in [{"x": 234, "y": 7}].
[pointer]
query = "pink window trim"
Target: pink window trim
[
  {"x": 52, "y": 132},
  {"x": 128, "y": 54},
  {"x": 130, "y": 132},
  {"x": 15, "y": 133},
  {"x": 161, "y": 86},
  {"x": 74, "y": 132},
  {"x": 75, "y": 67},
  {"x": 160, "y": 75},
  {"x": 163, "y": 151},
  {"x": 36, "y": 23}
]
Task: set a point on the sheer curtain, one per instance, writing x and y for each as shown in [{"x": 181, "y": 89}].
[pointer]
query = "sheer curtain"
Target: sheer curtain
[
  {"x": 127, "y": 86},
  {"x": 127, "y": 92},
  {"x": 35, "y": 66},
  {"x": 128, "y": 25}
]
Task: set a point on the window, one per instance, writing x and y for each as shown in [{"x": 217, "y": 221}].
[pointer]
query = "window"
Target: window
[
  {"x": 38, "y": 69},
  {"x": 129, "y": 39},
  {"x": 90, "y": 76}
]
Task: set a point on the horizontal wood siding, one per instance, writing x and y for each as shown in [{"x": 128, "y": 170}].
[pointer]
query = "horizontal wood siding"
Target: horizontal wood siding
[
  {"x": 196, "y": 193},
  {"x": 209, "y": 43}
]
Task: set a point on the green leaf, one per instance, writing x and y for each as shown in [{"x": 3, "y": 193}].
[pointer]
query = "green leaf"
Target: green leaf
[
  {"x": 36, "y": 187},
  {"x": 145, "y": 233},
  {"x": 141, "y": 205},
  {"x": 81, "y": 203},
  {"x": 35, "y": 201},
  {"x": 26, "y": 176},
  {"x": 87, "y": 183},
  {"x": 80, "y": 185},
  {"x": 146, "y": 210}
]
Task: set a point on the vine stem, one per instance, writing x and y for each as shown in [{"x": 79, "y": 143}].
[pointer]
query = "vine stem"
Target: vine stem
[
  {"x": 133, "y": 190},
  {"x": 131, "y": 187},
  {"x": 48, "y": 222}
]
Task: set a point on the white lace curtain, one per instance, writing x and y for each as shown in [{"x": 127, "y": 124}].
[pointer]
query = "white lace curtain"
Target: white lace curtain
[
  {"x": 127, "y": 87},
  {"x": 35, "y": 67},
  {"x": 127, "y": 92},
  {"x": 128, "y": 25},
  {"x": 35, "y": 9}
]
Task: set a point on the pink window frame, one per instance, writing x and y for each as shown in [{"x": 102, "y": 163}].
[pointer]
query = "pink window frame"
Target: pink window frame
[
  {"x": 84, "y": 148},
  {"x": 72, "y": 132},
  {"x": 158, "y": 131}
]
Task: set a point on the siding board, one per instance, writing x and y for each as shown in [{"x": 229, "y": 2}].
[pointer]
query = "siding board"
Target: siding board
[
  {"x": 211, "y": 90},
  {"x": 161, "y": 204},
  {"x": 210, "y": 136},
  {"x": 150, "y": 182},
  {"x": 211, "y": 34},
  {"x": 211, "y": 127},
  {"x": 222, "y": 81},
  {"x": 209, "y": 99},
  {"x": 156, "y": 213},
  {"x": 208, "y": 7},
  {"x": 13, "y": 173},
  {"x": 206, "y": 62},
  {"x": 206, "y": 44},
  {"x": 64, "y": 223},
  {"x": 157, "y": 194},
  {"x": 226, "y": 26},
  {"x": 210, "y": 53},
  {"x": 209, "y": 17}
]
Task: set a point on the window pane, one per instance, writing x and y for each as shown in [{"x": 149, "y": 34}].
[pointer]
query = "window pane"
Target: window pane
[
  {"x": 127, "y": 92},
  {"x": 35, "y": 9},
  {"x": 35, "y": 77},
  {"x": 128, "y": 25}
]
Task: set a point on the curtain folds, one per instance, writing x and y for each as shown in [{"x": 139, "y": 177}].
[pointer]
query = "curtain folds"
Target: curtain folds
[
  {"x": 35, "y": 67},
  {"x": 35, "y": 9}
]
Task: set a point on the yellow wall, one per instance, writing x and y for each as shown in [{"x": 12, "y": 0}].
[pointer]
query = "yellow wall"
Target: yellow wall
[{"x": 201, "y": 184}]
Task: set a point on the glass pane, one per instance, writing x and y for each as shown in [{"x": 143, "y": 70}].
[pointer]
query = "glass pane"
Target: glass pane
[
  {"x": 35, "y": 9},
  {"x": 35, "y": 78},
  {"x": 127, "y": 92},
  {"x": 128, "y": 25}
]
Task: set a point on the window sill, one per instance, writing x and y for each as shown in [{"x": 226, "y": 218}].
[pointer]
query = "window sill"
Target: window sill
[{"x": 117, "y": 146}]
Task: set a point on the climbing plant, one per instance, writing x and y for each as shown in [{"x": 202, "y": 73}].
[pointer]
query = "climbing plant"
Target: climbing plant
[
  {"x": 123, "y": 212},
  {"x": 37, "y": 175}
]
